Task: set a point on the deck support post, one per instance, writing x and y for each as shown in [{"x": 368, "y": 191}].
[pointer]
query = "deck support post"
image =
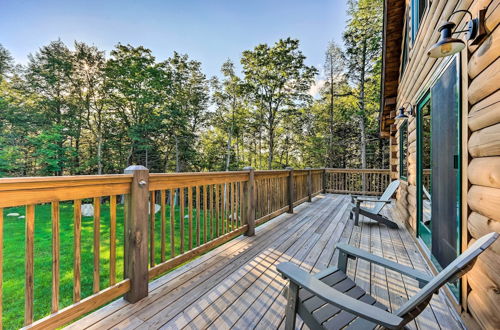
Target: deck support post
[
  {"x": 309, "y": 184},
  {"x": 136, "y": 234},
  {"x": 323, "y": 177},
  {"x": 249, "y": 197},
  {"x": 290, "y": 189}
]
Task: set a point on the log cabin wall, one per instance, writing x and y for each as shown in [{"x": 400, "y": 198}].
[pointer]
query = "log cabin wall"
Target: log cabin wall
[{"x": 480, "y": 107}]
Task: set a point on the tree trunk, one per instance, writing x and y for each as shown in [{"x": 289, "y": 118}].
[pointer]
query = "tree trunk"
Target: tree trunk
[
  {"x": 99, "y": 154},
  {"x": 362, "y": 125},
  {"x": 271, "y": 150},
  {"x": 331, "y": 155},
  {"x": 177, "y": 165},
  {"x": 228, "y": 148}
]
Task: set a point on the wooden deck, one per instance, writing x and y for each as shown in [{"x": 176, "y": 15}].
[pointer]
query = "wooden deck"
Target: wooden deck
[{"x": 237, "y": 286}]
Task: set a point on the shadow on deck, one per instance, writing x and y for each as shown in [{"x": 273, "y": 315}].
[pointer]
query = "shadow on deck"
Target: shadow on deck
[{"x": 237, "y": 285}]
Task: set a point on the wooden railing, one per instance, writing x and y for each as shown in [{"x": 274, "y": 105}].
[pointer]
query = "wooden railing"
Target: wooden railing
[
  {"x": 102, "y": 236},
  {"x": 357, "y": 181}
]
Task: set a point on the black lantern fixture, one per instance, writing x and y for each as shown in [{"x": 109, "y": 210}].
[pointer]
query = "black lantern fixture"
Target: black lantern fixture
[
  {"x": 447, "y": 45},
  {"x": 402, "y": 115}
]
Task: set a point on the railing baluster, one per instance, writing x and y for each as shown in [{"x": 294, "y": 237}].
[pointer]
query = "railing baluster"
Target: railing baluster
[
  {"x": 1, "y": 267},
  {"x": 211, "y": 201},
  {"x": 240, "y": 205},
  {"x": 152, "y": 217},
  {"x": 198, "y": 215},
  {"x": 77, "y": 232},
  {"x": 172, "y": 223},
  {"x": 205, "y": 213},
  {"x": 181, "y": 207},
  {"x": 97, "y": 239},
  {"x": 163, "y": 221},
  {"x": 217, "y": 207},
  {"x": 190, "y": 216},
  {"x": 233, "y": 205},
  {"x": 55, "y": 257},
  {"x": 29, "y": 265},
  {"x": 112, "y": 240}
]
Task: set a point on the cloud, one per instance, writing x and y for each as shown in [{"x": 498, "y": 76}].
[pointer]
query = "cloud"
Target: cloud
[{"x": 316, "y": 87}]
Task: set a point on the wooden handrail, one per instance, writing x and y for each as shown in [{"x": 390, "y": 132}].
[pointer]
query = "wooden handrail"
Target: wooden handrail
[
  {"x": 356, "y": 170},
  {"x": 213, "y": 207}
]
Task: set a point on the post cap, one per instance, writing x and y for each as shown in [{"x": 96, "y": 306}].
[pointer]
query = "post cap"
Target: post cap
[
  {"x": 248, "y": 168},
  {"x": 133, "y": 168}
]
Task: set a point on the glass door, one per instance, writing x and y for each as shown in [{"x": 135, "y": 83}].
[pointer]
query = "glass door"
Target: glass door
[
  {"x": 438, "y": 169},
  {"x": 424, "y": 175}
]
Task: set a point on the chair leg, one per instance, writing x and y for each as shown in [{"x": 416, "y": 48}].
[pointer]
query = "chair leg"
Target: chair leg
[
  {"x": 356, "y": 217},
  {"x": 350, "y": 215},
  {"x": 291, "y": 306}
]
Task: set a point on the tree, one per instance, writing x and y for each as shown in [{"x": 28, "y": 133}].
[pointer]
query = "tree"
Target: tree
[
  {"x": 47, "y": 80},
  {"x": 90, "y": 96},
  {"x": 278, "y": 80},
  {"x": 363, "y": 40},
  {"x": 229, "y": 97},
  {"x": 6, "y": 61},
  {"x": 334, "y": 69},
  {"x": 188, "y": 107},
  {"x": 137, "y": 88}
]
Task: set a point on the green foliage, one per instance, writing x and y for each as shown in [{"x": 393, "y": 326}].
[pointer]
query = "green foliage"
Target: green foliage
[
  {"x": 6, "y": 62},
  {"x": 278, "y": 80},
  {"x": 50, "y": 151},
  {"x": 76, "y": 111}
]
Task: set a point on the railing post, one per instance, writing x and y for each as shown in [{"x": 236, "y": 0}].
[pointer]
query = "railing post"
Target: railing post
[
  {"x": 324, "y": 181},
  {"x": 250, "y": 201},
  {"x": 136, "y": 234},
  {"x": 309, "y": 184},
  {"x": 290, "y": 189}
]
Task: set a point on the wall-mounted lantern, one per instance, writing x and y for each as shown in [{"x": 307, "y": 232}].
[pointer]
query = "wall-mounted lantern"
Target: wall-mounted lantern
[
  {"x": 447, "y": 45},
  {"x": 402, "y": 112}
]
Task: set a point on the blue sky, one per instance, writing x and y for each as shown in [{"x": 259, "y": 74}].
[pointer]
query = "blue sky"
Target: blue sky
[{"x": 209, "y": 31}]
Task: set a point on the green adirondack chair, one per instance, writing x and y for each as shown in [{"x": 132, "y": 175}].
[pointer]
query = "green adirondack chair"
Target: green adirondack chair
[
  {"x": 330, "y": 300},
  {"x": 374, "y": 213}
]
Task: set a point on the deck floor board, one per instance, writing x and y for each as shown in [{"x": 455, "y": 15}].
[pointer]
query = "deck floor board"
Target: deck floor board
[{"x": 237, "y": 285}]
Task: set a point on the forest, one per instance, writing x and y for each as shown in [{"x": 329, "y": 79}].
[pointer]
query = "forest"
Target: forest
[{"x": 73, "y": 109}]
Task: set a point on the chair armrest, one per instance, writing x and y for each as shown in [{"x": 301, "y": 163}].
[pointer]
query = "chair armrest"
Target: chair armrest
[
  {"x": 337, "y": 298},
  {"x": 354, "y": 252},
  {"x": 387, "y": 201}
]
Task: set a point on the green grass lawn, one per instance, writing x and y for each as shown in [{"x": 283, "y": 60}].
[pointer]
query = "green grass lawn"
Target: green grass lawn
[{"x": 14, "y": 256}]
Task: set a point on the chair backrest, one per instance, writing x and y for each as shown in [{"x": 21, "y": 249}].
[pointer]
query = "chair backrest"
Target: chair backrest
[
  {"x": 389, "y": 191},
  {"x": 461, "y": 265}
]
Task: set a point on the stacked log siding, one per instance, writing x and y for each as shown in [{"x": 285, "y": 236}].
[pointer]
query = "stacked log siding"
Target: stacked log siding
[{"x": 480, "y": 116}]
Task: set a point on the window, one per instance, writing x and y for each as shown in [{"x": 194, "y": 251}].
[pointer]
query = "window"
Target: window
[
  {"x": 403, "y": 150},
  {"x": 417, "y": 12}
]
